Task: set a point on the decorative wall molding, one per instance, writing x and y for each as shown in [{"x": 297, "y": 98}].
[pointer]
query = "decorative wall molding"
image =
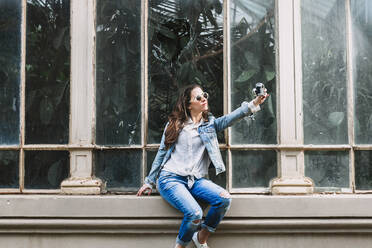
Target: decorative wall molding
[{"x": 170, "y": 226}]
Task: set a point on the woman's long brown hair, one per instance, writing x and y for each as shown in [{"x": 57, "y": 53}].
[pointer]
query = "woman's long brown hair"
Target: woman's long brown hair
[{"x": 180, "y": 114}]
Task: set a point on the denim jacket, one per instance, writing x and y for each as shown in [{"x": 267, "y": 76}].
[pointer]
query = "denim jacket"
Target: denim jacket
[{"x": 208, "y": 134}]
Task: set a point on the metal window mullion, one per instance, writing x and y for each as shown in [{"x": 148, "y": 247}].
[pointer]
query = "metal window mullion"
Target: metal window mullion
[
  {"x": 152, "y": 146},
  {"x": 253, "y": 147},
  {"x": 156, "y": 146},
  {"x": 41, "y": 191},
  {"x": 298, "y": 94},
  {"x": 362, "y": 147},
  {"x": 362, "y": 191},
  {"x": 277, "y": 109},
  {"x": 144, "y": 82},
  {"x": 276, "y": 39},
  {"x": 227, "y": 86},
  {"x": 229, "y": 171},
  {"x": 23, "y": 96},
  {"x": 74, "y": 147},
  {"x": 94, "y": 79},
  {"x": 350, "y": 93},
  {"x": 226, "y": 67},
  {"x": 137, "y": 147},
  {"x": 9, "y": 191},
  {"x": 326, "y": 147},
  {"x": 297, "y": 47},
  {"x": 257, "y": 190},
  {"x": 7, "y": 147},
  {"x": 297, "y": 147},
  {"x": 54, "y": 147}
]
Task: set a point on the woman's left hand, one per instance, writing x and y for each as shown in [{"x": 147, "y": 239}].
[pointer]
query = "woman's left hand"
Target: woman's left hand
[{"x": 144, "y": 189}]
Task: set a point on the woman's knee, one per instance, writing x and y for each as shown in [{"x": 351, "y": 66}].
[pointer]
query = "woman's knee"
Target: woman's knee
[
  {"x": 225, "y": 199},
  {"x": 194, "y": 215}
]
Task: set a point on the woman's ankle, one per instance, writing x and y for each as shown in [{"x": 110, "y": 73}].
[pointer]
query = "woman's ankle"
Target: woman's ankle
[
  {"x": 179, "y": 246},
  {"x": 203, "y": 236}
]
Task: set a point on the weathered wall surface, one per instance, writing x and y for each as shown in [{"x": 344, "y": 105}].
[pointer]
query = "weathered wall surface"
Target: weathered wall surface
[{"x": 56, "y": 221}]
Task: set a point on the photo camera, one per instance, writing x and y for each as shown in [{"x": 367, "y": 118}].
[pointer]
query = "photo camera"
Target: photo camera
[{"x": 259, "y": 90}]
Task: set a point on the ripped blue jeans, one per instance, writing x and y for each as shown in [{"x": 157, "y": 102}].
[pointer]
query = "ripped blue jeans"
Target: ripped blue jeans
[{"x": 174, "y": 189}]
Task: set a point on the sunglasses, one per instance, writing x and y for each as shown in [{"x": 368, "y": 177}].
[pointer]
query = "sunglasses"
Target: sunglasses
[{"x": 199, "y": 97}]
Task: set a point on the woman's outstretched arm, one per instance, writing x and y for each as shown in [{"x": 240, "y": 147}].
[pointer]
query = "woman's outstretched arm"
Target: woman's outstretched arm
[{"x": 244, "y": 110}]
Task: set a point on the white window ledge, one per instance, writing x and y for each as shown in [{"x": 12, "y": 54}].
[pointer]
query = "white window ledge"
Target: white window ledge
[{"x": 122, "y": 206}]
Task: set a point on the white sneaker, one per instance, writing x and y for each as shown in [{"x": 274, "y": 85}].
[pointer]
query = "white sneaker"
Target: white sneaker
[{"x": 196, "y": 241}]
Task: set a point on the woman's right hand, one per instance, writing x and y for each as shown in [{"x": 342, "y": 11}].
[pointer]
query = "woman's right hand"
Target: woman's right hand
[
  {"x": 145, "y": 188},
  {"x": 260, "y": 99}
]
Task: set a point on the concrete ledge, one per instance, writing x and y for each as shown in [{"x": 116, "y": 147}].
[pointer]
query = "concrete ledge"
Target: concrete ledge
[
  {"x": 120, "y": 206},
  {"x": 171, "y": 226},
  {"x": 82, "y": 186}
]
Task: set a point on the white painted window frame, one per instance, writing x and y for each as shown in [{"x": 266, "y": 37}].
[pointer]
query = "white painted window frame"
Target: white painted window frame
[{"x": 290, "y": 147}]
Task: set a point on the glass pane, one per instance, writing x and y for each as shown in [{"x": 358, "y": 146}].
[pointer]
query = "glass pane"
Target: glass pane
[
  {"x": 121, "y": 169},
  {"x": 150, "y": 158},
  {"x": 328, "y": 168},
  {"x": 9, "y": 169},
  {"x": 363, "y": 170},
  {"x": 253, "y": 168},
  {"x": 185, "y": 47},
  {"x": 118, "y": 72},
  {"x": 324, "y": 72},
  {"x": 10, "y": 62},
  {"x": 46, "y": 169},
  {"x": 361, "y": 12},
  {"x": 253, "y": 60},
  {"x": 47, "y": 71}
]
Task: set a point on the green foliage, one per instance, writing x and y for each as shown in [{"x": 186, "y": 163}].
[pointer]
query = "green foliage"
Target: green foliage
[
  {"x": 45, "y": 169},
  {"x": 47, "y": 71},
  {"x": 325, "y": 79},
  {"x": 9, "y": 172},
  {"x": 363, "y": 170},
  {"x": 363, "y": 77},
  {"x": 185, "y": 46},
  {"x": 252, "y": 61},
  {"x": 118, "y": 72},
  {"x": 324, "y": 76},
  {"x": 10, "y": 62},
  {"x": 328, "y": 168}
]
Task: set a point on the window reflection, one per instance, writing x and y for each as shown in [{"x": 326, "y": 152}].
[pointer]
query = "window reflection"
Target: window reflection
[
  {"x": 10, "y": 61},
  {"x": 253, "y": 168},
  {"x": 363, "y": 170},
  {"x": 120, "y": 169},
  {"x": 328, "y": 168},
  {"x": 9, "y": 169},
  {"x": 185, "y": 46},
  {"x": 361, "y": 12},
  {"x": 324, "y": 72},
  {"x": 46, "y": 169},
  {"x": 118, "y": 72},
  {"x": 253, "y": 60},
  {"x": 47, "y": 71}
]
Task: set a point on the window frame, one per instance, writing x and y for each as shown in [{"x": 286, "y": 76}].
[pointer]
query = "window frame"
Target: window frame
[
  {"x": 351, "y": 147},
  {"x": 22, "y": 147},
  {"x": 290, "y": 143}
]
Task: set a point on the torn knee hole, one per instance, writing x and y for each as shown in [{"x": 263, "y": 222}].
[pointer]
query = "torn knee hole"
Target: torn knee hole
[
  {"x": 225, "y": 194},
  {"x": 196, "y": 221}
]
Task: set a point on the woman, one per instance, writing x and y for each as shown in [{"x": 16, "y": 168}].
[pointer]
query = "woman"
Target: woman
[{"x": 188, "y": 145}]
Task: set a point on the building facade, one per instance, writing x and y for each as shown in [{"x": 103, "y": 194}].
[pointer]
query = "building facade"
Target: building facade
[{"x": 86, "y": 87}]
